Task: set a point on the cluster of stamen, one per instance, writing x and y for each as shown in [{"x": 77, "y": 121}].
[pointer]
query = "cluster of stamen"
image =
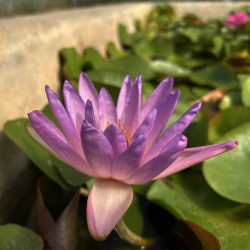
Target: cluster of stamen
[{"x": 126, "y": 134}]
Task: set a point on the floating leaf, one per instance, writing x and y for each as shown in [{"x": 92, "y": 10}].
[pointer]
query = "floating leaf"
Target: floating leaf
[
  {"x": 227, "y": 120},
  {"x": 245, "y": 92},
  {"x": 230, "y": 99},
  {"x": 16, "y": 237},
  {"x": 134, "y": 213},
  {"x": 169, "y": 68},
  {"x": 16, "y": 131},
  {"x": 129, "y": 64},
  {"x": 187, "y": 196},
  {"x": 228, "y": 174},
  {"x": 72, "y": 63},
  {"x": 192, "y": 236},
  {"x": 158, "y": 47},
  {"x": 217, "y": 75}
]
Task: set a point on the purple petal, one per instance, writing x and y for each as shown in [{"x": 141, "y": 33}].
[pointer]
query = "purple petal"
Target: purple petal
[
  {"x": 129, "y": 118},
  {"x": 107, "y": 112},
  {"x": 138, "y": 81},
  {"x": 125, "y": 89},
  {"x": 97, "y": 149},
  {"x": 146, "y": 126},
  {"x": 116, "y": 139},
  {"x": 107, "y": 203},
  {"x": 164, "y": 110},
  {"x": 88, "y": 91},
  {"x": 192, "y": 156},
  {"x": 89, "y": 114},
  {"x": 74, "y": 104},
  {"x": 177, "y": 128},
  {"x": 154, "y": 167},
  {"x": 64, "y": 121},
  {"x": 126, "y": 163},
  {"x": 56, "y": 140},
  {"x": 156, "y": 97}
]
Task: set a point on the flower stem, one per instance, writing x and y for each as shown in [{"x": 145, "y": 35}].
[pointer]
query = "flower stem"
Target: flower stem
[{"x": 126, "y": 234}]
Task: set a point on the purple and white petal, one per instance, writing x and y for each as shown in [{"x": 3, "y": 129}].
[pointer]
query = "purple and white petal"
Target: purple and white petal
[
  {"x": 87, "y": 91},
  {"x": 130, "y": 114},
  {"x": 154, "y": 167},
  {"x": 128, "y": 161},
  {"x": 56, "y": 140},
  {"x": 107, "y": 111},
  {"x": 146, "y": 126},
  {"x": 164, "y": 110},
  {"x": 64, "y": 121},
  {"x": 89, "y": 114},
  {"x": 125, "y": 89},
  {"x": 192, "y": 156},
  {"x": 107, "y": 203},
  {"x": 116, "y": 139},
  {"x": 74, "y": 104},
  {"x": 156, "y": 97},
  {"x": 97, "y": 149},
  {"x": 176, "y": 128}
]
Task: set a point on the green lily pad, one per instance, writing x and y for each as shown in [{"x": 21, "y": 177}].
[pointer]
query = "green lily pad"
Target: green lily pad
[
  {"x": 217, "y": 75},
  {"x": 106, "y": 77},
  {"x": 129, "y": 64},
  {"x": 230, "y": 99},
  {"x": 72, "y": 63},
  {"x": 134, "y": 213},
  {"x": 228, "y": 174},
  {"x": 169, "y": 68},
  {"x": 64, "y": 175},
  {"x": 227, "y": 120},
  {"x": 16, "y": 237},
  {"x": 245, "y": 92},
  {"x": 113, "y": 52},
  {"x": 187, "y": 196},
  {"x": 158, "y": 47},
  {"x": 189, "y": 235}
]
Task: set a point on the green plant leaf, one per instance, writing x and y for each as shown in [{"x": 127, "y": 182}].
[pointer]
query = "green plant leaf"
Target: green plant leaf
[
  {"x": 217, "y": 75},
  {"x": 72, "y": 63},
  {"x": 227, "y": 120},
  {"x": 129, "y": 64},
  {"x": 16, "y": 237},
  {"x": 158, "y": 47},
  {"x": 169, "y": 68},
  {"x": 230, "y": 99},
  {"x": 134, "y": 214},
  {"x": 228, "y": 174},
  {"x": 190, "y": 235},
  {"x": 16, "y": 131},
  {"x": 124, "y": 36},
  {"x": 245, "y": 92},
  {"x": 187, "y": 196}
]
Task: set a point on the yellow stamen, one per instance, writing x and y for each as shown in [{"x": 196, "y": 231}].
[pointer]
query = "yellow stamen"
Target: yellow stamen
[{"x": 126, "y": 134}]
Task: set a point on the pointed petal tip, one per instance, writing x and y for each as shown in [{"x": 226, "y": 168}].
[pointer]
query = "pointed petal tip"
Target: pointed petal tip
[
  {"x": 47, "y": 87},
  {"x": 234, "y": 143}
]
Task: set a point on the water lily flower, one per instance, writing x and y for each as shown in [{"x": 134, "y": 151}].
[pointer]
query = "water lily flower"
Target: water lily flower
[
  {"x": 119, "y": 145},
  {"x": 237, "y": 19}
]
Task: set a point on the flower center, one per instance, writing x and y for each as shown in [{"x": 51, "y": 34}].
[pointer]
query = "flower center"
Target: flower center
[{"x": 126, "y": 134}]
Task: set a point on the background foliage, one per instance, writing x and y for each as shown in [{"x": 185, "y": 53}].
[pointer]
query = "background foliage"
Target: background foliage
[{"x": 204, "y": 207}]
